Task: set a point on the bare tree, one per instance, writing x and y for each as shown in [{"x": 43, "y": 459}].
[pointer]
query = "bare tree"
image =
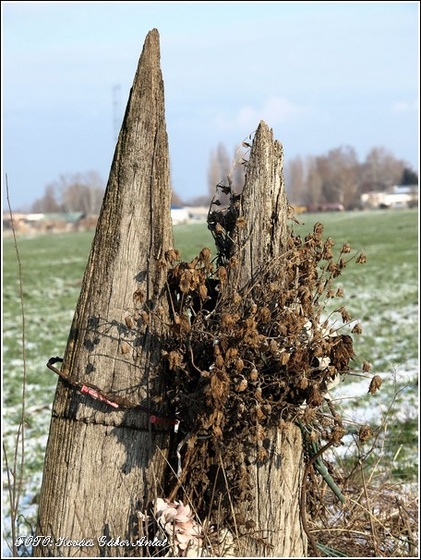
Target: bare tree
[
  {"x": 339, "y": 174},
  {"x": 226, "y": 171},
  {"x": 219, "y": 168},
  {"x": 381, "y": 170},
  {"x": 239, "y": 167},
  {"x": 48, "y": 202},
  {"x": 295, "y": 180},
  {"x": 78, "y": 192},
  {"x": 176, "y": 200},
  {"x": 338, "y": 177},
  {"x": 81, "y": 193},
  {"x": 313, "y": 192}
]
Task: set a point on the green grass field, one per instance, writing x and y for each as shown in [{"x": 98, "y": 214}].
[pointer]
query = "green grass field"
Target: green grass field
[{"x": 383, "y": 294}]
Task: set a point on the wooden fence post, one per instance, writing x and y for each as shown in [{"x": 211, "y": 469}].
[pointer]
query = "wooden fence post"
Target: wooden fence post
[
  {"x": 261, "y": 242},
  {"x": 102, "y": 466},
  {"x": 253, "y": 239}
]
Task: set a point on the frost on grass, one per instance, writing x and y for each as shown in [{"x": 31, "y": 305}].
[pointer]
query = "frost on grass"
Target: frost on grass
[{"x": 389, "y": 337}]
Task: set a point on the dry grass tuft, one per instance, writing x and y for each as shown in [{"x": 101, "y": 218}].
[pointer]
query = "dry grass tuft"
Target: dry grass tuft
[{"x": 376, "y": 520}]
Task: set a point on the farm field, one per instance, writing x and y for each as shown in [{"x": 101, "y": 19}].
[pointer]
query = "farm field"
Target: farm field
[{"x": 382, "y": 294}]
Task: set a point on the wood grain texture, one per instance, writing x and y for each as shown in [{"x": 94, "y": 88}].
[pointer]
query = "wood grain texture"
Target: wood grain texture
[{"x": 264, "y": 206}]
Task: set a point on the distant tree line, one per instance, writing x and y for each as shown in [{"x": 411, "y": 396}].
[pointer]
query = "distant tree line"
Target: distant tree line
[
  {"x": 78, "y": 192},
  {"x": 72, "y": 193},
  {"x": 333, "y": 178},
  {"x": 339, "y": 178}
]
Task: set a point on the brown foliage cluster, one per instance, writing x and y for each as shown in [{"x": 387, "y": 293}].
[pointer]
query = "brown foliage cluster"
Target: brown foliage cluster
[{"x": 242, "y": 362}]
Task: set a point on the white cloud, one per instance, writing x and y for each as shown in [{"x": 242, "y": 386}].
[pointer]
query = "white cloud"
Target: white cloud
[
  {"x": 274, "y": 111},
  {"x": 405, "y": 106}
]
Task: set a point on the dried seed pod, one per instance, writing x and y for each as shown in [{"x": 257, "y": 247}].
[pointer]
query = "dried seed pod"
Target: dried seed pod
[
  {"x": 205, "y": 254},
  {"x": 222, "y": 274},
  {"x": 172, "y": 255},
  {"x": 253, "y": 309},
  {"x": 264, "y": 314},
  {"x": 185, "y": 281},
  {"x": 267, "y": 408},
  {"x": 365, "y": 433},
  {"x": 375, "y": 384},
  {"x": 318, "y": 229},
  {"x": 228, "y": 320},
  {"x": 231, "y": 354},
  {"x": 303, "y": 383},
  {"x": 175, "y": 359},
  {"x": 242, "y": 386},
  {"x": 337, "y": 434},
  {"x": 203, "y": 292},
  {"x": 284, "y": 358},
  {"x": 315, "y": 398},
  {"x": 254, "y": 374},
  {"x": 237, "y": 298},
  {"x": 340, "y": 293},
  {"x": 361, "y": 259},
  {"x": 367, "y": 367},
  {"x": 313, "y": 436},
  {"x": 239, "y": 365},
  {"x": 185, "y": 324},
  {"x": 274, "y": 348},
  {"x": 219, "y": 361}
]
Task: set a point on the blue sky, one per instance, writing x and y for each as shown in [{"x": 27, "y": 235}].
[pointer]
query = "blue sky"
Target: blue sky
[{"x": 321, "y": 74}]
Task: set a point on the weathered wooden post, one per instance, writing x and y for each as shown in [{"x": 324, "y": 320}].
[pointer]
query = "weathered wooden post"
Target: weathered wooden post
[
  {"x": 102, "y": 467},
  {"x": 254, "y": 461},
  {"x": 261, "y": 243}
]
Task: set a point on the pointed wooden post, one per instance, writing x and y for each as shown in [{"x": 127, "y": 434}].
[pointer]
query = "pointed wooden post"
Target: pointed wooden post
[
  {"x": 261, "y": 243},
  {"x": 242, "y": 463},
  {"x": 102, "y": 466}
]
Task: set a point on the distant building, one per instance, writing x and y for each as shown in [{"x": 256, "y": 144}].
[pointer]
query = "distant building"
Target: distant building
[
  {"x": 198, "y": 213},
  {"x": 325, "y": 207},
  {"x": 398, "y": 196},
  {"x": 48, "y": 222},
  {"x": 78, "y": 221},
  {"x": 179, "y": 215}
]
